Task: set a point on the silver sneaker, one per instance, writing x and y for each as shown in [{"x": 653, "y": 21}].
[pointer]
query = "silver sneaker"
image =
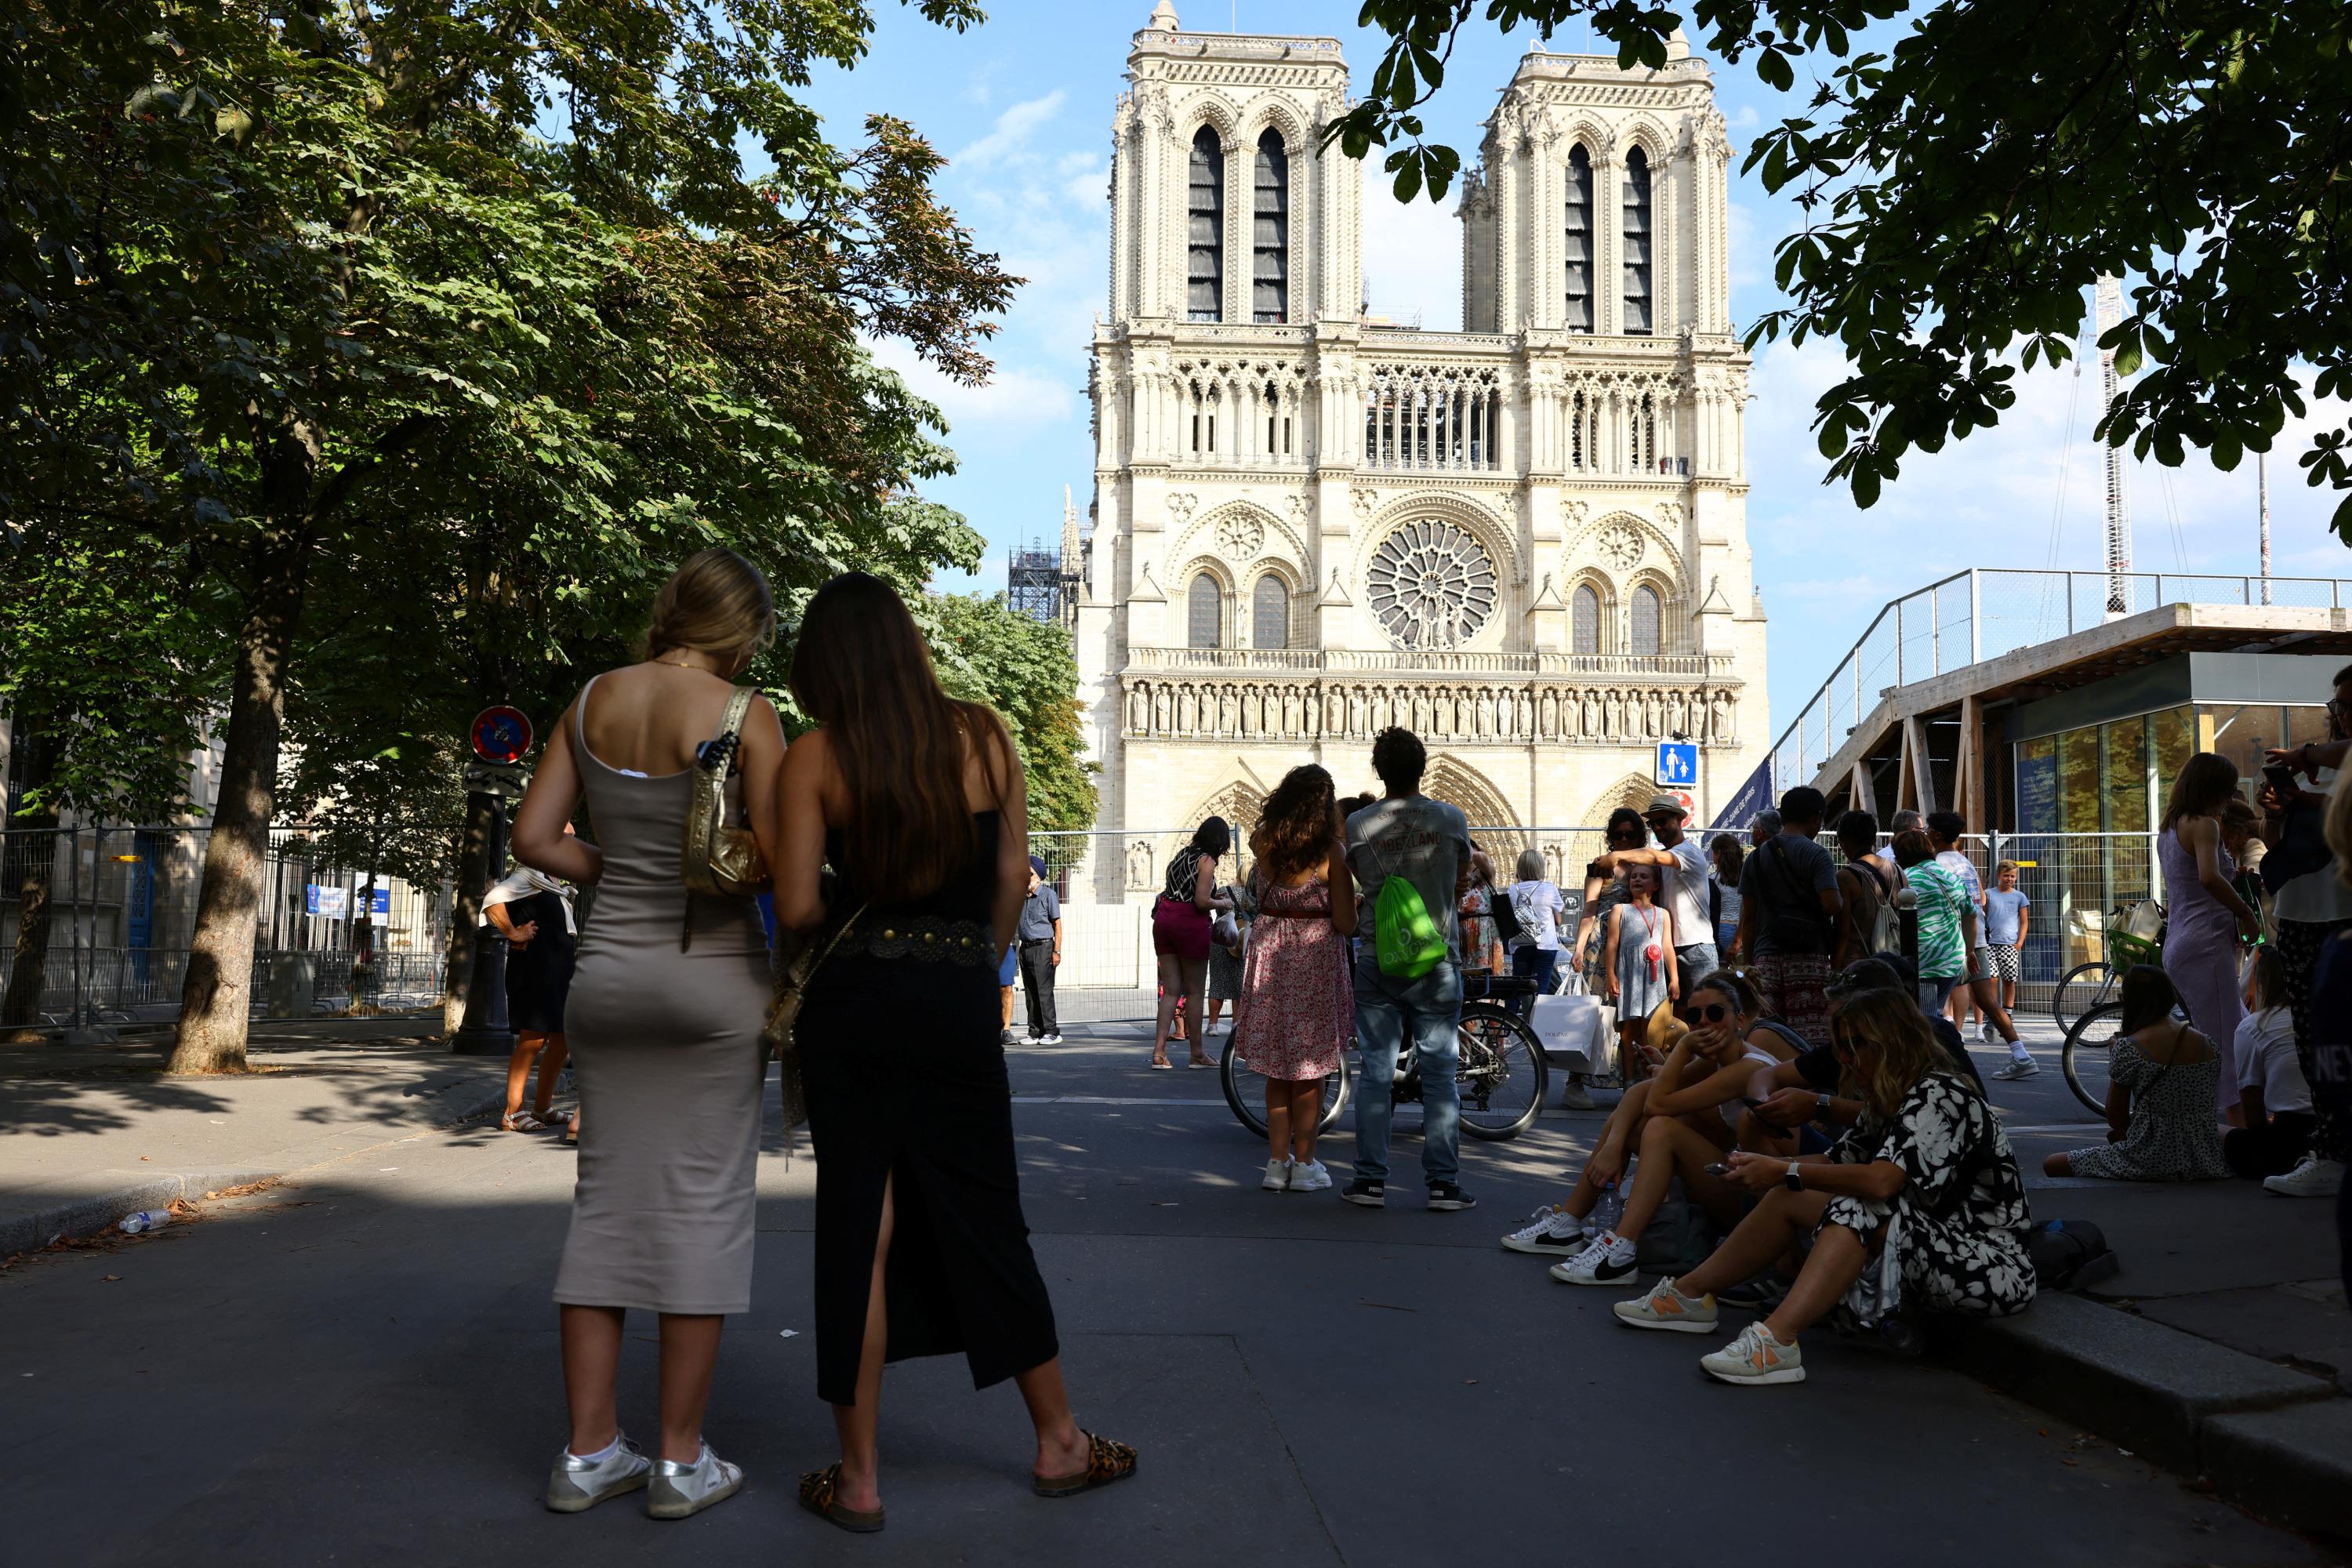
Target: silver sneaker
[
  {"x": 1574, "y": 1097},
  {"x": 2019, "y": 1068},
  {"x": 677, "y": 1490},
  {"x": 577, "y": 1484}
]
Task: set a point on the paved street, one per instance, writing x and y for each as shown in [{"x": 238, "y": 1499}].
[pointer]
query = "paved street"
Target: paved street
[{"x": 359, "y": 1366}]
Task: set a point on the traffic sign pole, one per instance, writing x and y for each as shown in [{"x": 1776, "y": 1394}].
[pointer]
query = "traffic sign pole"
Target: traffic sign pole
[{"x": 500, "y": 736}]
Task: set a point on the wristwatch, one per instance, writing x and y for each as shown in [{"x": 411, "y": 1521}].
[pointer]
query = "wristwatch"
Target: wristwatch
[
  {"x": 1822, "y": 1107},
  {"x": 1793, "y": 1178}
]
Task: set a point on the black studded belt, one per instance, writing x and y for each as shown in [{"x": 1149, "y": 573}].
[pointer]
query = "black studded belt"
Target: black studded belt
[{"x": 927, "y": 940}]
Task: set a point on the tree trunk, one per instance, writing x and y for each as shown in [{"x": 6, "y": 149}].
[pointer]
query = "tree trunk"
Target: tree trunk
[
  {"x": 216, "y": 1002},
  {"x": 473, "y": 881}
]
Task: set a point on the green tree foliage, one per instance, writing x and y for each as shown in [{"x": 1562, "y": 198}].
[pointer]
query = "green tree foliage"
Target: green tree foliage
[
  {"x": 1963, "y": 189},
  {"x": 1025, "y": 670},
  {"x": 432, "y": 334}
]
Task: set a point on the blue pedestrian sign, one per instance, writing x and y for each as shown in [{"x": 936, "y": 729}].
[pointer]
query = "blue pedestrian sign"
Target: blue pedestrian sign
[{"x": 1678, "y": 764}]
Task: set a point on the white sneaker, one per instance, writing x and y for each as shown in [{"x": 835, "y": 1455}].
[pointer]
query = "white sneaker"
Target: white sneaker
[
  {"x": 1608, "y": 1260},
  {"x": 678, "y": 1491},
  {"x": 1048, "y": 1041},
  {"x": 1667, "y": 1308},
  {"x": 577, "y": 1484},
  {"x": 2315, "y": 1178},
  {"x": 1551, "y": 1229},
  {"x": 1755, "y": 1357},
  {"x": 2018, "y": 1068},
  {"x": 1575, "y": 1099},
  {"x": 1311, "y": 1177},
  {"x": 1984, "y": 1031},
  {"x": 1277, "y": 1176}
]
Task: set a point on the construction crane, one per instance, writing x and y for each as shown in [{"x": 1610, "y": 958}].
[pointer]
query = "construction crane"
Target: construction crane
[{"x": 2108, "y": 306}]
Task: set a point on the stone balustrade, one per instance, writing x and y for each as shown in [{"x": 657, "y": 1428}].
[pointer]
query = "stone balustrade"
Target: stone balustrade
[{"x": 1239, "y": 706}]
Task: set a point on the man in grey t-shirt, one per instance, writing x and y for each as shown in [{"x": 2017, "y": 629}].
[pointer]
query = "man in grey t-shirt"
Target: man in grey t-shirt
[{"x": 1427, "y": 842}]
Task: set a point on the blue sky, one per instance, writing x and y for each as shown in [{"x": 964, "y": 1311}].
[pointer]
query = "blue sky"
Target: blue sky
[{"x": 1022, "y": 106}]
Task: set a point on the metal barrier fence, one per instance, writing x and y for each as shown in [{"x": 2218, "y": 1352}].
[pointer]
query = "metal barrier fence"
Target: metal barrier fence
[
  {"x": 1983, "y": 613},
  {"x": 1107, "y": 879},
  {"x": 95, "y": 922}
]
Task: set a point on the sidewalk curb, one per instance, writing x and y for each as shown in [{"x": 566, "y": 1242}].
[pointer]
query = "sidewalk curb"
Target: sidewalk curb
[
  {"x": 2272, "y": 1439},
  {"x": 88, "y": 1215}
]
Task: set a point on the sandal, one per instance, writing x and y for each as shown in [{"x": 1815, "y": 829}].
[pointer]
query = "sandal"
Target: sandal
[
  {"x": 1106, "y": 1461},
  {"x": 1162, "y": 1064},
  {"x": 521, "y": 1121},
  {"x": 819, "y": 1493}
]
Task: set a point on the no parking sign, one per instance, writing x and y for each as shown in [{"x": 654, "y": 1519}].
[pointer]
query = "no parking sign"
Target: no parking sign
[{"x": 501, "y": 735}]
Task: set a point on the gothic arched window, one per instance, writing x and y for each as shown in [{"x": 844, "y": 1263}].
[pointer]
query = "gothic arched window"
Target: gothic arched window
[
  {"x": 1270, "y": 233},
  {"x": 1584, "y": 621},
  {"x": 1204, "y": 613},
  {"x": 1578, "y": 245},
  {"x": 1637, "y": 241},
  {"x": 1270, "y": 612},
  {"x": 1205, "y": 231},
  {"x": 1648, "y": 614}
]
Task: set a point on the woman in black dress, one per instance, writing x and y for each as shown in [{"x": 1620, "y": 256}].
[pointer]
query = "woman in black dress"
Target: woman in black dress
[
  {"x": 533, "y": 912},
  {"x": 919, "y": 805}
]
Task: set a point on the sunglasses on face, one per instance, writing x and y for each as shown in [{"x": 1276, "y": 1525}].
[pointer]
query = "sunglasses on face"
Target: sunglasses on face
[{"x": 1713, "y": 1012}]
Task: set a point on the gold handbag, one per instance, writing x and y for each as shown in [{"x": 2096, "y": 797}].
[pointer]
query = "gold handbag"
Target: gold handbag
[
  {"x": 798, "y": 956},
  {"x": 719, "y": 857}
]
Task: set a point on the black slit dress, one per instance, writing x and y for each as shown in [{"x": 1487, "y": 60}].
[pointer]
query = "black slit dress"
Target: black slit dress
[{"x": 904, "y": 1065}]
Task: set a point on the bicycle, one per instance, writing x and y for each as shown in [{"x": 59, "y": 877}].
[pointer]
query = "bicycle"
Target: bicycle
[
  {"x": 2100, "y": 981},
  {"x": 1500, "y": 1073},
  {"x": 2084, "y": 1056}
]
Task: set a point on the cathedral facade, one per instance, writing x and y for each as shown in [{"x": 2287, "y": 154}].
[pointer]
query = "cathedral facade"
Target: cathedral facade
[{"x": 1527, "y": 540}]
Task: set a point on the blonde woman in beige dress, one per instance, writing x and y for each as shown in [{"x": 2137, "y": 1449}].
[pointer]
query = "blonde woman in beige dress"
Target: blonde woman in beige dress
[{"x": 663, "y": 1022}]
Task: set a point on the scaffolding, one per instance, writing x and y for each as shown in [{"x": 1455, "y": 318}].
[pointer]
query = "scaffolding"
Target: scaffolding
[{"x": 1044, "y": 583}]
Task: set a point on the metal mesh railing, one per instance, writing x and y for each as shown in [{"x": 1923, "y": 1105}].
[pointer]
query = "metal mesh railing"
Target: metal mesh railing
[{"x": 96, "y": 923}]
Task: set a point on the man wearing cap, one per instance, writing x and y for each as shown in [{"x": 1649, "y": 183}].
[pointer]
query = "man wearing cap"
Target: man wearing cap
[
  {"x": 1682, "y": 872},
  {"x": 1039, "y": 933}
]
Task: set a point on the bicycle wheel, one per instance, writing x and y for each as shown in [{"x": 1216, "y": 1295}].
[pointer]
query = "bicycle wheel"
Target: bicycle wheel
[
  {"x": 1501, "y": 1074},
  {"x": 1244, "y": 1090},
  {"x": 2085, "y": 987},
  {"x": 2086, "y": 1054}
]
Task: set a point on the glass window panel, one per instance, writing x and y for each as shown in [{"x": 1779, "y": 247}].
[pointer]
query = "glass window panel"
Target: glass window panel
[
  {"x": 1270, "y": 612},
  {"x": 1584, "y": 621},
  {"x": 1645, "y": 622},
  {"x": 2176, "y": 742},
  {"x": 1205, "y": 612},
  {"x": 2127, "y": 775},
  {"x": 2078, "y": 812}
]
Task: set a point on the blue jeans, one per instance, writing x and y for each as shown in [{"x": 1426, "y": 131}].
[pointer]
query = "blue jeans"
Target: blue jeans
[
  {"x": 1695, "y": 963},
  {"x": 1538, "y": 962},
  {"x": 1939, "y": 988},
  {"x": 1389, "y": 1012}
]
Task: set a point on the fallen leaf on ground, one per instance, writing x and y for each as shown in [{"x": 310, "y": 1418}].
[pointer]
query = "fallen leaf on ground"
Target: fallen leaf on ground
[{"x": 109, "y": 1278}]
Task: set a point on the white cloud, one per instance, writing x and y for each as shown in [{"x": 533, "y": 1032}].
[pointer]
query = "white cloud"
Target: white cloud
[
  {"x": 1017, "y": 400},
  {"x": 1013, "y": 131},
  {"x": 1412, "y": 254}
]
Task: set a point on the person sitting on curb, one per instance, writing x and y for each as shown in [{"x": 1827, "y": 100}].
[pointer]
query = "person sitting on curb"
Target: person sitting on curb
[
  {"x": 1804, "y": 1090},
  {"x": 2272, "y": 1094},
  {"x": 1687, "y": 1131},
  {"x": 1919, "y": 1207},
  {"x": 1718, "y": 1070},
  {"x": 2160, "y": 1092}
]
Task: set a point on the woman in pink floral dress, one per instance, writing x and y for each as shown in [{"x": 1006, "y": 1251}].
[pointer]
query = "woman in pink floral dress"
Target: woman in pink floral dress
[{"x": 1297, "y": 1007}]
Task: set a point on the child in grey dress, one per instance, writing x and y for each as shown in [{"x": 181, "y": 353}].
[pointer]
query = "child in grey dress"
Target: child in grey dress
[{"x": 1638, "y": 968}]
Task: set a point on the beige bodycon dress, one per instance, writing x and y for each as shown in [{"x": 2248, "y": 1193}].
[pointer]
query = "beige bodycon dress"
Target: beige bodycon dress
[{"x": 665, "y": 1040}]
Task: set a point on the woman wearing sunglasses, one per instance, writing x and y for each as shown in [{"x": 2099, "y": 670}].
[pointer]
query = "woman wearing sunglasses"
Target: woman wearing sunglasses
[
  {"x": 1919, "y": 1207},
  {"x": 1681, "y": 1122}
]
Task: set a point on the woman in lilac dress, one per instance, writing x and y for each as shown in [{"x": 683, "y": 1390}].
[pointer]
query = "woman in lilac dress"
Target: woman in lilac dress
[{"x": 2203, "y": 913}]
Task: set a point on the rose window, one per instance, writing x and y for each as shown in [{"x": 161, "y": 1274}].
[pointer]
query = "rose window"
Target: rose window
[{"x": 1431, "y": 585}]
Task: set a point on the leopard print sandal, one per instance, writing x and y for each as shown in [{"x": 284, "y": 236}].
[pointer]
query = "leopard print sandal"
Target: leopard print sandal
[
  {"x": 820, "y": 1494},
  {"x": 1106, "y": 1461}
]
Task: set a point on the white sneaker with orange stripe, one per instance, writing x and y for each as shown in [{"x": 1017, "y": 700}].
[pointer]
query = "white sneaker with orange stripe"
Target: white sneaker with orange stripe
[
  {"x": 1667, "y": 1308},
  {"x": 1755, "y": 1357}
]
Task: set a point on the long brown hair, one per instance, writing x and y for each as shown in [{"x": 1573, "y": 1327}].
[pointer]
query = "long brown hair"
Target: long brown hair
[
  {"x": 859, "y": 668},
  {"x": 1294, "y": 827},
  {"x": 715, "y": 602},
  {"x": 1893, "y": 1026},
  {"x": 2206, "y": 780}
]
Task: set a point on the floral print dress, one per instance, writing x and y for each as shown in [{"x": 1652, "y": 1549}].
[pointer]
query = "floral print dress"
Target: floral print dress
[
  {"x": 1297, "y": 1006},
  {"x": 1955, "y": 1229}
]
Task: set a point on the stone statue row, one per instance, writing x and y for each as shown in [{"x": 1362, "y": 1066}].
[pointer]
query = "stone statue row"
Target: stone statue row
[
  {"x": 1563, "y": 863},
  {"x": 1353, "y": 710}
]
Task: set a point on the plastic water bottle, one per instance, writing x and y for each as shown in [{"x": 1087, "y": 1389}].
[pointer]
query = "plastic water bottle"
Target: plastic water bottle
[
  {"x": 144, "y": 1220},
  {"x": 1610, "y": 1209}
]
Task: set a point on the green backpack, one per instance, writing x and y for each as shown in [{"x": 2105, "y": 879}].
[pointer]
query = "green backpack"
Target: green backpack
[{"x": 1407, "y": 940}]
